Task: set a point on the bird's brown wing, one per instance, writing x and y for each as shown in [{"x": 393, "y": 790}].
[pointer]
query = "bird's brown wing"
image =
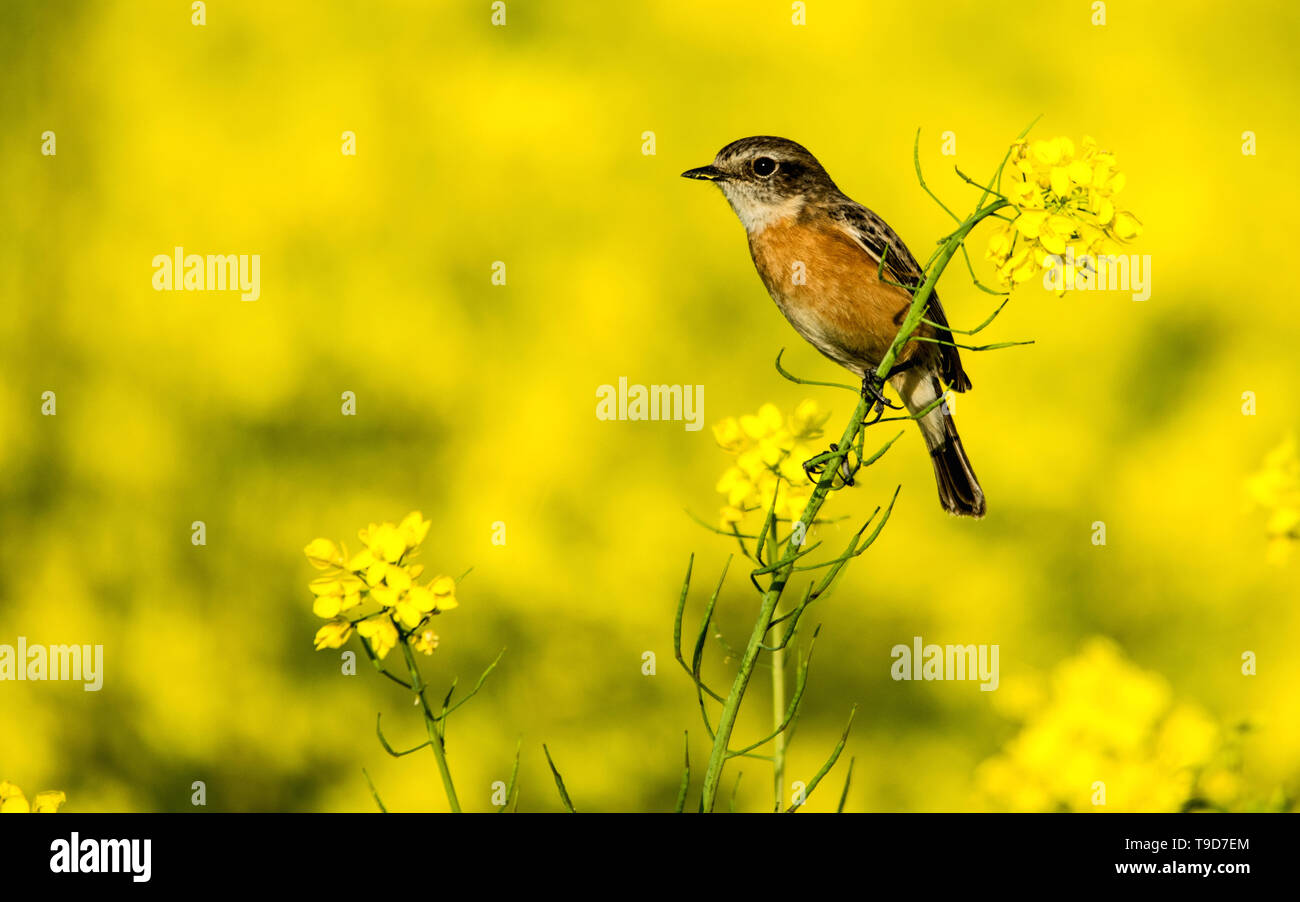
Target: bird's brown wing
[{"x": 874, "y": 236}]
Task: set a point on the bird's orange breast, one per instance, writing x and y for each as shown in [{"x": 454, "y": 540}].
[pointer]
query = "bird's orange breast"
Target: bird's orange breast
[{"x": 829, "y": 289}]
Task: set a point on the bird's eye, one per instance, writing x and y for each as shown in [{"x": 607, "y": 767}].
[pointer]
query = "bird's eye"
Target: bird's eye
[{"x": 764, "y": 166}]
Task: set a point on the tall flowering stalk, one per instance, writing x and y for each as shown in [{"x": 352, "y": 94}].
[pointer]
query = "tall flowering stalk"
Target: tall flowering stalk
[
  {"x": 378, "y": 595},
  {"x": 767, "y": 476}
]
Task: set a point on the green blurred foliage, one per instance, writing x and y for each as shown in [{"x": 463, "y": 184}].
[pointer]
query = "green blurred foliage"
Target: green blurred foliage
[{"x": 475, "y": 402}]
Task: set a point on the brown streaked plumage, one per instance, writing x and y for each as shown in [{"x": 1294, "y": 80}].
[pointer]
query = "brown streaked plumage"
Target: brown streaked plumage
[{"x": 819, "y": 255}]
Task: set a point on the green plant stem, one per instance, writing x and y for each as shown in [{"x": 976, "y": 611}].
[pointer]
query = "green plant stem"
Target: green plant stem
[
  {"x": 778, "y": 715},
  {"x": 431, "y": 726},
  {"x": 785, "y": 568},
  {"x": 778, "y": 703}
]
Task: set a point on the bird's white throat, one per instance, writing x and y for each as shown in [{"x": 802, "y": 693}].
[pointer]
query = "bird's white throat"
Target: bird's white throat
[{"x": 757, "y": 212}]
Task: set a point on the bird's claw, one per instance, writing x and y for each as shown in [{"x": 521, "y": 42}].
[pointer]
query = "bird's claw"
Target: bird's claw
[
  {"x": 872, "y": 390},
  {"x": 814, "y": 466}
]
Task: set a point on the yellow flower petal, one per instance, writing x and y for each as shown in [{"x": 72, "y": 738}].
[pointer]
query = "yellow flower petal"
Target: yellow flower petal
[
  {"x": 730, "y": 515},
  {"x": 1047, "y": 153},
  {"x": 48, "y": 802},
  {"x": 333, "y": 634},
  {"x": 387, "y": 543},
  {"x": 425, "y": 641},
  {"x": 808, "y": 419},
  {"x": 729, "y": 435},
  {"x": 414, "y": 528},
  {"x": 1054, "y": 233},
  {"x": 376, "y": 572},
  {"x": 1060, "y": 177},
  {"x": 999, "y": 245},
  {"x": 422, "y": 599},
  {"x": 1025, "y": 195},
  {"x": 12, "y": 800},
  {"x": 380, "y": 632},
  {"x": 327, "y": 606},
  {"x": 397, "y": 579},
  {"x": 15, "y": 804},
  {"x": 1030, "y": 222},
  {"x": 407, "y": 614},
  {"x": 1127, "y": 226},
  {"x": 323, "y": 554},
  {"x": 764, "y": 423}
]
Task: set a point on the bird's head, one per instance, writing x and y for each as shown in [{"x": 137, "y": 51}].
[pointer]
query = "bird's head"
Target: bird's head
[{"x": 766, "y": 178}]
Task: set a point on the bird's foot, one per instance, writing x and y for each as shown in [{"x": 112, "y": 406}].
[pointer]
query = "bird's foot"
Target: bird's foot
[
  {"x": 873, "y": 390},
  {"x": 815, "y": 466}
]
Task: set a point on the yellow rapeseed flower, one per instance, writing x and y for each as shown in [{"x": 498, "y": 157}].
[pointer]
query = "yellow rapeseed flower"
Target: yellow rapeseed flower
[
  {"x": 48, "y": 802},
  {"x": 323, "y": 554},
  {"x": 443, "y": 589},
  {"x": 12, "y": 801},
  {"x": 411, "y": 609},
  {"x": 769, "y": 450},
  {"x": 380, "y": 632},
  {"x": 1105, "y": 721},
  {"x": 1062, "y": 199},
  {"x": 383, "y": 575},
  {"x": 413, "y": 528},
  {"x": 334, "y": 634},
  {"x": 334, "y": 595},
  {"x": 808, "y": 421},
  {"x": 424, "y": 641}
]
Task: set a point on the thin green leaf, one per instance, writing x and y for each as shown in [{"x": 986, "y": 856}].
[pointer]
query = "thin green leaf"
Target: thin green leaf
[
  {"x": 825, "y": 768},
  {"x": 686, "y": 776},
  {"x": 844, "y": 796},
  {"x": 559, "y": 782},
  {"x": 801, "y": 683},
  {"x": 916, "y": 160},
  {"x": 993, "y": 347},
  {"x": 384, "y": 742},
  {"x": 511, "y": 791},
  {"x": 473, "y": 692},
  {"x": 374, "y": 792},
  {"x": 981, "y": 327},
  {"x": 798, "y": 381}
]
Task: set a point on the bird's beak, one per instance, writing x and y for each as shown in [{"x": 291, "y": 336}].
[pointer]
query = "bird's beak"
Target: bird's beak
[{"x": 707, "y": 173}]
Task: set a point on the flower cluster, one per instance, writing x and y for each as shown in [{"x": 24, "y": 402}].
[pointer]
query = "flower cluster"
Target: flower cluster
[
  {"x": 376, "y": 591},
  {"x": 1065, "y": 212},
  {"x": 12, "y": 800},
  {"x": 1105, "y": 721},
  {"x": 770, "y": 450},
  {"x": 1277, "y": 488}
]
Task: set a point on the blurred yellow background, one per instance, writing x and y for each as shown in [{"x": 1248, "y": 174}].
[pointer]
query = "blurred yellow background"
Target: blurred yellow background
[{"x": 475, "y": 402}]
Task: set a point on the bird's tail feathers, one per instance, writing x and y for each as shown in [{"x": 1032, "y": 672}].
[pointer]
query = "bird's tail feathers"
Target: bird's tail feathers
[{"x": 959, "y": 489}]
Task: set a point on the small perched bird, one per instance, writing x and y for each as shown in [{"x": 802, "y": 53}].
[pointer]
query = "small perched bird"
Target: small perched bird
[{"x": 820, "y": 255}]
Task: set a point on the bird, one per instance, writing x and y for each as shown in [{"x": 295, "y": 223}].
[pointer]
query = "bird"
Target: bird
[{"x": 845, "y": 280}]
